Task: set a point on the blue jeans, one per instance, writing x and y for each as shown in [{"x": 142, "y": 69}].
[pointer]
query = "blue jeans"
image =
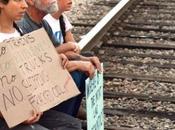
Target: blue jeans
[
  {"x": 72, "y": 105},
  {"x": 50, "y": 120}
]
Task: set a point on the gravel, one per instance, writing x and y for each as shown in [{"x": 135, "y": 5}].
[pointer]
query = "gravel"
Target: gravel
[
  {"x": 154, "y": 88},
  {"x": 135, "y": 104},
  {"x": 135, "y": 121}
]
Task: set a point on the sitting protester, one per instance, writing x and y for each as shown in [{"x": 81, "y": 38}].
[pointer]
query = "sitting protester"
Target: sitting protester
[
  {"x": 80, "y": 67},
  {"x": 10, "y": 11}
]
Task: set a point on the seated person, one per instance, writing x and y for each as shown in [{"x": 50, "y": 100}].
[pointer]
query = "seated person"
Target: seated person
[
  {"x": 10, "y": 11},
  {"x": 80, "y": 67}
]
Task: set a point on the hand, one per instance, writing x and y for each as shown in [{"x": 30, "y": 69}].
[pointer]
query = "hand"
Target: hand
[
  {"x": 64, "y": 60},
  {"x": 96, "y": 62},
  {"x": 87, "y": 67},
  {"x": 36, "y": 116},
  {"x": 75, "y": 47}
]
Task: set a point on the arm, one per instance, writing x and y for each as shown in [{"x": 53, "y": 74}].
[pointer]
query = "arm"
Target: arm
[
  {"x": 84, "y": 66},
  {"x": 76, "y": 56},
  {"x": 33, "y": 119},
  {"x": 69, "y": 37},
  {"x": 93, "y": 59},
  {"x": 64, "y": 61},
  {"x": 74, "y": 53},
  {"x": 70, "y": 44},
  {"x": 66, "y": 47}
]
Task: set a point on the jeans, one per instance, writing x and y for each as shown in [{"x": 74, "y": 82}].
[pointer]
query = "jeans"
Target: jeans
[
  {"x": 72, "y": 105},
  {"x": 50, "y": 120}
]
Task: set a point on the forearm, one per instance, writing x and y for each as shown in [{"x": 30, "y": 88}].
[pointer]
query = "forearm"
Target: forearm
[
  {"x": 69, "y": 36},
  {"x": 63, "y": 48},
  {"x": 83, "y": 66},
  {"x": 75, "y": 56},
  {"x": 72, "y": 65}
]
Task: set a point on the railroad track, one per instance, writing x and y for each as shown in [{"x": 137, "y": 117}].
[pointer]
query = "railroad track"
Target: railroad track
[{"x": 138, "y": 52}]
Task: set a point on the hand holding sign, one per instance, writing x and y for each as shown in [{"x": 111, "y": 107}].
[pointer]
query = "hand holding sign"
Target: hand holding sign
[
  {"x": 35, "y": 117},
  {"x": 31, "y": 78},
  {"x": 94, "y": 102}
]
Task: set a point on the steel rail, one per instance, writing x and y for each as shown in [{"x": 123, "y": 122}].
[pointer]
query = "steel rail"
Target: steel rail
[
  {"x": 128, "y": 44},
  {"x": 121, "y": 128},
  {"x": 111, "y": 75},
  {"x": 141, "y": 97},
  {"x": 91, "y": 38},
  {"x": 145, "y": 113},
  {"x": 128, "y": 54},
  {"x": 111, "y": 127}
]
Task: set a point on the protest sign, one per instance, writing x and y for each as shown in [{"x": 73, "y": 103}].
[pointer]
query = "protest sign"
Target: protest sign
[
  {"x": 94, "y": 102},
  {"x": 32, "y": 77}
]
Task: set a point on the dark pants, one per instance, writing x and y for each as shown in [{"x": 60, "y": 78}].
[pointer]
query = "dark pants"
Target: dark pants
[
  {"x": 72, "y": 105},
  {"x": 50, "y": 120}
]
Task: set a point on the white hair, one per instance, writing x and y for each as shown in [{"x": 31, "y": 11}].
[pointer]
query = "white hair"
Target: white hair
[{"x": 50, "y": 8}]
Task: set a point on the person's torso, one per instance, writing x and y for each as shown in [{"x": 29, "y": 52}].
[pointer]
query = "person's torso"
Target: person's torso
[
  {"x": 56, "y": 34},
  {"x": 27, "y": 25},
  {"x": 4, "y": 36},
  {"x": 52, "y": 26}
]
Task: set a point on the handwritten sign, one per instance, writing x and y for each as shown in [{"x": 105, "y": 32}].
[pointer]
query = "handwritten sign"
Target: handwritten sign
[
  {"x": 31, "y": 77},
  {"x": 94, "y": 102}
]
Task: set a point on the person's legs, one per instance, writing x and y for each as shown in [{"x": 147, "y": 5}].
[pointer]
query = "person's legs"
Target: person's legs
[
  {"x": 55, "y": 120},
  {"x": 3, "y": 126},
  {"x": 72, "y": 105}
]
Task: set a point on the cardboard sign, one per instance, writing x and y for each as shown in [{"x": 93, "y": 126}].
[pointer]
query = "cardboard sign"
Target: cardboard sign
[
  {"x": 31, "y": 77},
  {"x": 94, "y": 102}
]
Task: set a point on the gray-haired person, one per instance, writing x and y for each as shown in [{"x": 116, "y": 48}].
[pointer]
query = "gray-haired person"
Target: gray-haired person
[
  {"x": 10, "y": 11},
  {"x": 79, "y": 66}
]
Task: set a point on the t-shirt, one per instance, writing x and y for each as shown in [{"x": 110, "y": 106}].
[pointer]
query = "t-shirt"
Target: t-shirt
[
  {"x": 4, "y": 36},
  {"x": 28, "y": 25},
  {"x": 55, "y": 26}
]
